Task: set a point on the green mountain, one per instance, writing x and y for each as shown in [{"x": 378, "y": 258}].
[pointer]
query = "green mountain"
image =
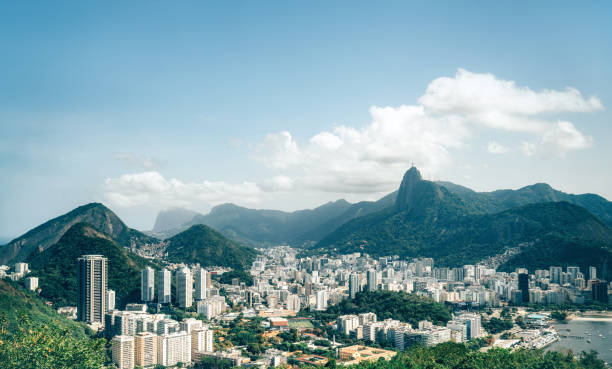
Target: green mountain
[
  {"x": 202, "y": 244},
  {"x": 500, "y": 200},
  {"x": 96, "y": 215},
  {"x": 260, "y": 228},
  {"x": 429, "y": 220},
  {"x": 17, "y": 303},
  {"x": 56, "y": 266},
  {"x": 257, "y": 227}
]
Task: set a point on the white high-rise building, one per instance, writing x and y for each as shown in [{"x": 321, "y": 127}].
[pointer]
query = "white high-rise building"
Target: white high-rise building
[
  {"x": 184, "y": 287},
  {"x": 31, "y": 283},
  {"x": 163, "y": 286},
  {"x": 201, "y": 340},
  {"x": 201, "y": 283},
  {"x": 321, "y": 300},
  {"x": 372, "y": 280},
  {"x": 354, "y": 285},
  {"x": 147, "y": 284},
  {"x": 592, "y": 273},
  {"x": 293, "y": 302},
  {"x": 123, "y": 352},
  {"x": 22, "y": 268},
  {"x": 145, "y": 351},
  {"x": 91, "y": 288},
  {"x": 174, "y": 348},
  {"x": 110, "y": 300}
]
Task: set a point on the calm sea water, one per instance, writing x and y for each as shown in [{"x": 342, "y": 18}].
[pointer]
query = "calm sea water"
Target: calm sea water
[{"x": 580, "y": 328}]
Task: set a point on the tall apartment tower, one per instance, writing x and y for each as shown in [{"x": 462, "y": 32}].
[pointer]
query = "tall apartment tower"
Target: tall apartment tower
[
  {"x": 145, "y": 351},
  {"x": 163, "y": 286},
  {"x": 372, "y": 280},
  {"x": 184, "y": 287},
  {"x": 91, "y": 288},
  {"x": 123, "y": 352},
  {"x": 354, "y": 285},
  {"x": 201, "y": 283},
  {"x": 147, "y": 284}
]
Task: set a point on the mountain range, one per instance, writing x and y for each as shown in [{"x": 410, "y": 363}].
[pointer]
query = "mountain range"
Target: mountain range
[
  {"x": 96, "y": 215},
  {"x": 450, "y": 222},
  {"x": 430, "y": 220}
]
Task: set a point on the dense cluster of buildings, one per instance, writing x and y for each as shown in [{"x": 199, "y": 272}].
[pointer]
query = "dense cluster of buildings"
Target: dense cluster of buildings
[
  {"x": 401, "y": 335},
  {"x": 146, "y": 339},
  {"x": 282, "y": 281}
]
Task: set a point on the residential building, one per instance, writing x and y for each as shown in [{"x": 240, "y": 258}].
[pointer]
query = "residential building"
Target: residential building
[
  {"x": 123, "y": 352},
  {"x": 147, "y": 284},
  {"x": 91, "y": 288}
]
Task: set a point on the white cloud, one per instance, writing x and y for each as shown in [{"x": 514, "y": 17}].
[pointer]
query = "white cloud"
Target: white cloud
[
  {"x": 452, "y": 110},
  {"x": 370, "y": 159},
  {"x": 496, "y": 148},
  {"x": 151, "y": 188},
  {"x": 563, "y": 137}
]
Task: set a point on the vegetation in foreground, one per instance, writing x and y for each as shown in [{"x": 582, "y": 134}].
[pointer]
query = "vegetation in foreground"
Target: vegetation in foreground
[
  {"x": 48, "y": 346},
  {"x": 459, "y": 356}
]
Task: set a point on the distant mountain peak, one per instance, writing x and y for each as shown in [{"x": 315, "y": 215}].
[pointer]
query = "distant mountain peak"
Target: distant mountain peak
[{"x": 407, "y": 189}]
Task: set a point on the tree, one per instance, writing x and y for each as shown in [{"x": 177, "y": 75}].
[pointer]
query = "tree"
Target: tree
[{"x": 46, "y": 346}]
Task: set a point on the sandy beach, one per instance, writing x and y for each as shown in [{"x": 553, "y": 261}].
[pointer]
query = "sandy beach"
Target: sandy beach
[{"x": 592, "y": 316}]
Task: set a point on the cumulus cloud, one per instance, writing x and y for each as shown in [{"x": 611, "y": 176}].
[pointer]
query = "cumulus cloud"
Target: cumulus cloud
[
  {"x": 151, "y": 188},
  {"x": 370, "y": 159},
  {"x": 451, "y": 112}
]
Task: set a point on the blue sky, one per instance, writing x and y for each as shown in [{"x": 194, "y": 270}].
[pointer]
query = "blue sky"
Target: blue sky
[{"x": 147, "y": 105}]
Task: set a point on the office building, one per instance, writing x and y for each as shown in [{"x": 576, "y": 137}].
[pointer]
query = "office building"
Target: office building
[
  {"x": 201, "y": 283},
  {"x": 592, "y": 273},
  {"x": 123, "y": 352},
  {"x": 163, "y": 286},
  {"x": 523, "y": 284},
  {"x": 147, "y": 284},
  {"x": 145, "y": 352},
  {"x": 91, "y": 288},
  {"x": 184, "y": 287}
]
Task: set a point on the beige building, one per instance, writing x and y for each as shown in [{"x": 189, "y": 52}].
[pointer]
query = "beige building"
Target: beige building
[
  {"x": 123, "y": 352},
  {"x": 356, "y": 354},
  {"x": 146, "y": 349}
]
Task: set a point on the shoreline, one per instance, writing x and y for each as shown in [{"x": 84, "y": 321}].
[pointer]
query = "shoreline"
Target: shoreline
[{"x": 594, "y": 316}]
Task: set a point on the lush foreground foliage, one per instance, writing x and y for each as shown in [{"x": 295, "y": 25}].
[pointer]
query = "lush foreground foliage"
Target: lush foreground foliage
[
  {"x": 402, "y": 306},
  {"x": 47, "y": 346},
  {"x": 458, "y": 356}
]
